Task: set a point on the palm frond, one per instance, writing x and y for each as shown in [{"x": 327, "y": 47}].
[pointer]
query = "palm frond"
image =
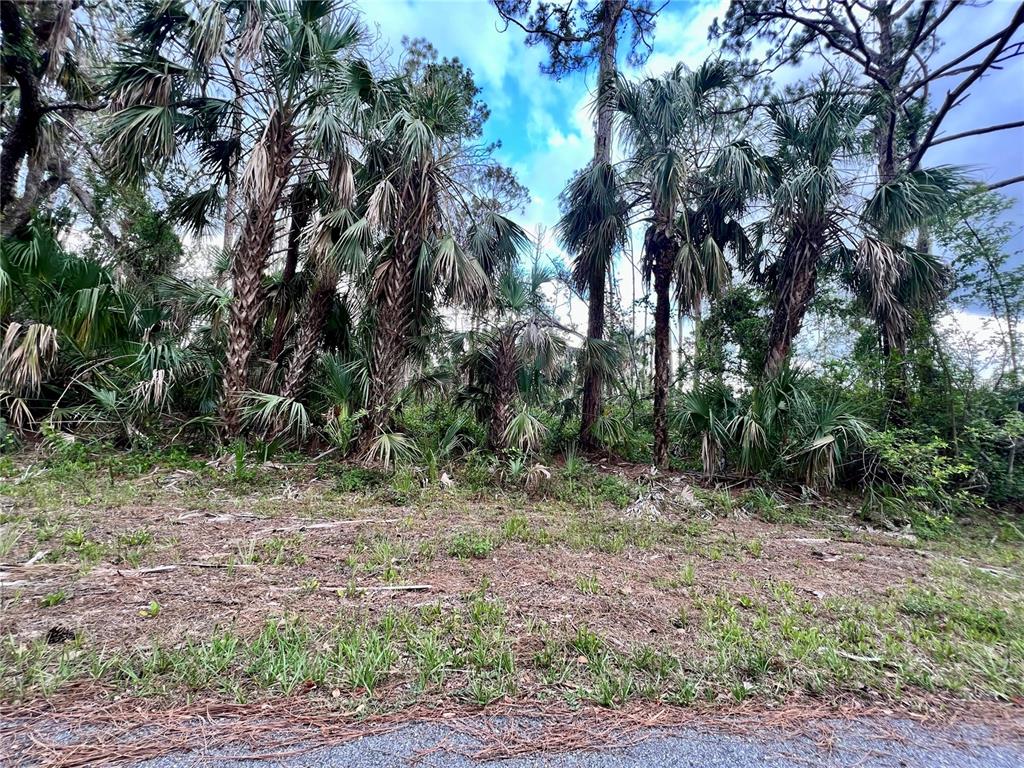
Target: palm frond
[{"x": 525, "y": 432}]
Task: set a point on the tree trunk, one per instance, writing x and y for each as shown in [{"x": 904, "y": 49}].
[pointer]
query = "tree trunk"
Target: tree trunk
[
  {"x": 504, "y": 393},
  {"x": 307, "y": 340},
  {"x": 885, "y": 126},
  {"x": 394, "y": 309},
  {"x": 893, "y": 347},
  {"x": 660, "y": 251},
  {"x": 21, "y": 138},
  {"x": 230, "y": 203},
  {"x": 301, "y": 208},
  {"x": 593, "y": 379},
  {"x": 698, "y": 343},
  {"x": 248, "y": 265},
  {"x": 794, "y": 290},
  {"x": 593, "y": 383}
]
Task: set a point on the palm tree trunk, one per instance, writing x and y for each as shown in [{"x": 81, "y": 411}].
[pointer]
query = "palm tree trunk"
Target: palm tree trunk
[
  {"x": 794, "y": 290},
  {"x": 307, "y": 340},
  {"x": 230, "y": 203},
  {"x": 394, "y": 308},
  {"x": 660, "y": 250},
  {"x": 698, "y": 342},
  {"x": 504, "y": 394},
  {"x": 248, "y": 265},
  {"x": 593, "y": 383},
  {"x": 300, "y": 205}
]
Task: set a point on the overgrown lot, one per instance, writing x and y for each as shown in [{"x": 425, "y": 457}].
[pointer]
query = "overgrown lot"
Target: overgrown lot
[{"x": 170, "y": 576}]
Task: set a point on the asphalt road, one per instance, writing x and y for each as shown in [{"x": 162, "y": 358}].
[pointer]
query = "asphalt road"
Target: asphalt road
[{"x": 853, "y": 745}]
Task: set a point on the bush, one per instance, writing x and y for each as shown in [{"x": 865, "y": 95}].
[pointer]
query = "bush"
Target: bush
[{"x": 918, "y": 480}]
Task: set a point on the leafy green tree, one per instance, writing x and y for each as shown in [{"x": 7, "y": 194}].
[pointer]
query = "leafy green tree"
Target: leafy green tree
[{"x": 978, "y": 235}]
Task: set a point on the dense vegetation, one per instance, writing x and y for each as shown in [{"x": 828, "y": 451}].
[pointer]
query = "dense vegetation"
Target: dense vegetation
[{"x": 234, "y": 225}]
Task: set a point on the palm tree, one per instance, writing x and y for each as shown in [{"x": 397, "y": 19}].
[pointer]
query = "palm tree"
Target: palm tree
[
  {"x": 424, "y": 243},
  {"x": 335, "y": 250},
  {"x": 593, "y": 227},
  {"x": 294, "y": 86},
  {"x": 819, "y": 222},
  {"x": 689, "y": 176},
  {"x": 82, "y": 347},
  {"x": 898, "y": 283},
  {"x": 577, "y": 35},
  {"x": 812, "y": 138},
  {"x": 518, "y": 342}
]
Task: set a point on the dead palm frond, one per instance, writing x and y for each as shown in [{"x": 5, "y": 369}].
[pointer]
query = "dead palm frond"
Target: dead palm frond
[{"x": 26, "y": 355}]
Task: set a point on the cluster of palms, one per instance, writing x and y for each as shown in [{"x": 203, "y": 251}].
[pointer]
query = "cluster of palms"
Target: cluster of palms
[
  {"x": 372, "y": 183},
  {"x": 771, "y": 191},
  {"x": 360, "y": 215}
]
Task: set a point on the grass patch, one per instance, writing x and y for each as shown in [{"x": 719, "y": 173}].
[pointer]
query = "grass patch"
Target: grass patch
[{"x": 471, "y": 545}]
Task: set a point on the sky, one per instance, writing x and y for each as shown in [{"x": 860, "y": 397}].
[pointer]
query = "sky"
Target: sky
[{"x": 546, "y": 126}]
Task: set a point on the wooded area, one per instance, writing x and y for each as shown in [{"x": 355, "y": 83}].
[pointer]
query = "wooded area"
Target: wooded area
[{"x": 255, "y": 257}]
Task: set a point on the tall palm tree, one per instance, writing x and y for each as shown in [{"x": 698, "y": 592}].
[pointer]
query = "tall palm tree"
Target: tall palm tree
[
  {"x": 179, "y": 85},
  {"x": 686, "y": 171},
  {"x": 424, "y": 242},
  {"x": 808, "y": 203},
  {"x": 593, "y": 227},
  {"x": 577, "y": 35},
  {"x": 334, "y": 251},
  {"x": 898, "y": 283},
  {"x": 819, "y": 221}
]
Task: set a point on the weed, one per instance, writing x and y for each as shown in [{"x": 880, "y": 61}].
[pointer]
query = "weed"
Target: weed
[
  {"x": 75, "y": 538},
  {"x": 364, "y": 656},
  {"x": 10, "y": 534},
  {"x": 353, "y": 479},
  {"x": 588, "y": 644},
  {"x": 53, "y": 599},
  {"x": 517, "y": 528},
  {"x": 386, "y": 557},
  {"x": 138, "y": 538},
  {"x": 588, "y": 585},
  {"x": 432, "y": 657},
  {"x": 246, "y": 552},
  {"x": 471, "y": 544}
]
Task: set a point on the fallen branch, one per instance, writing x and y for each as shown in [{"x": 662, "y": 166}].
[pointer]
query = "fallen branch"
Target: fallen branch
[
  {"x": 331, "y": 524},
  {"x": 345, "y": 588},
  {"x": 36, "y": 557}
]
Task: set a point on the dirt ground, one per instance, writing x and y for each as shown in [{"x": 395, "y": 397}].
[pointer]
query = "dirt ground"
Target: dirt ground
[{"x": 196, "y": 568}]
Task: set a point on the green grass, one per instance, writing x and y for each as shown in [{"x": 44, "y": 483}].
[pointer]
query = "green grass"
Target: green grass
[
  {"x": 588, "y": 584},
  {"x": 471, "y": 544},
  {"x": 53, "y": 599},
  {"x": 766, "y": 644},
  {"x": 958, "y": 631},
  {"x": 10, "y": 535}
]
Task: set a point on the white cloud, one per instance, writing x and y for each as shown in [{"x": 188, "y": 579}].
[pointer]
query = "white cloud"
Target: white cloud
[{"x": 681, "y": 34}]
